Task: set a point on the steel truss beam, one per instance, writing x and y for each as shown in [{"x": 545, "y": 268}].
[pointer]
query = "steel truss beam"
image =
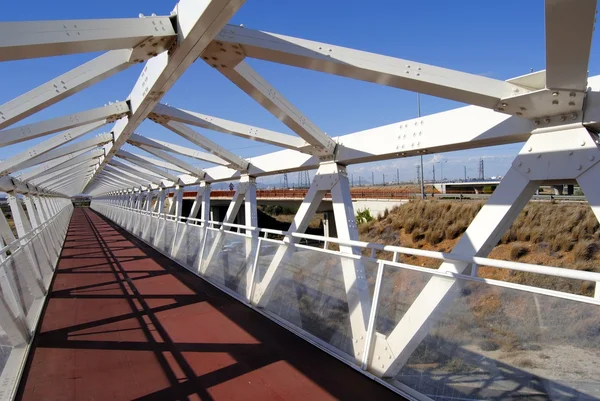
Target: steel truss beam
[
  {"x": 49, "y": 182},
  {"x": 250, "y": 81},
  {"x": 61, "y": 163},
  {"x": 245, "y": 194},
  {"x": 569, "y": 29},
  {"x": 546, "y": 157},
  {"x": 63, "y": 171},
  {"x": 106, "y": 114},
  {"x": 51, "y": 164},
  {"x": 330, "y": 178},
  {"x": 179, "y": 163},
  {"x": 65, "y": 85},
  {"x": 23, "y": 40},
  {"x": 161, "y": 163},
  {"x": 164, "y": 112},
  {"x": 146, "y": 165},
  {"x": 136, "y": 173},
  {"x": 403, "y": 74},
  {"x": 86, "y": 145},
  {"x": 205, "y": 143},
  {"x": 197, "y": 25},
  {"x": 138, "y": 140},
  {"x": 120, "y": 176},
  {"x": 22, "y": 159}
]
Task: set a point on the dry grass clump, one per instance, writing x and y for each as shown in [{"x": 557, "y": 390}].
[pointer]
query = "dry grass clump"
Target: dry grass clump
[
  {"x": 518, "y": 251},
  {"x": 585, "y": 251},
  {"x": 561, "y": 235}
]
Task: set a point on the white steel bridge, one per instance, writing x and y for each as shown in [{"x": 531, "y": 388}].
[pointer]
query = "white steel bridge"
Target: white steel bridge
[{"x": 384, "y": 318}]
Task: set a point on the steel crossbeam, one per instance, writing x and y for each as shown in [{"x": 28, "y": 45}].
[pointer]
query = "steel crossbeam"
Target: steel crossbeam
[
  {"x": 22, "y": 40},
  {"x": 105, "y": 114},
  {"x": 230, "y": 127},
  {"x": 138, "y": 140},
  {"x": 197, "y": 25}
]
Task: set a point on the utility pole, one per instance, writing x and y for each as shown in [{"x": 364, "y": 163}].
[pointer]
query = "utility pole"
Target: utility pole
[
  {"x": 422, "y": 170},
  {"x": 418, "y": 174},
  {"x": 398, "y": 176},
  {"x": 465, "y": 167},
  {"x": 359, "y": 181},
  {"x": 351, "y": 180},
  {"x": 285, "y": 180},
  {"x": 433, "y": 167},
  {"x": 481, "y": 170},
  {"x": 442, "y": 168},
  {"x": 372, "y": 178}
]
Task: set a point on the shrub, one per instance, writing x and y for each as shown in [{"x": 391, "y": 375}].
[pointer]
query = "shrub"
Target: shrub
[
  {"x": 518, "y": 251},
  {"x": 585, "y": 250},
  {"x": 363, "y": 216}
]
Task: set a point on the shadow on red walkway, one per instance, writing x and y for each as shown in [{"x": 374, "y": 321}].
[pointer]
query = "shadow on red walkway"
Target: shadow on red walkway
[{"x": 123, "y": 322}]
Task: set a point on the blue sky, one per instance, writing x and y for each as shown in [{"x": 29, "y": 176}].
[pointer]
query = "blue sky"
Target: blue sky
[{"x": 496, "y": 39}]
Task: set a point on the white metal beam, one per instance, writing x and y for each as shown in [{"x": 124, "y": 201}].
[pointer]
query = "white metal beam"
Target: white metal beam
[
  {"x": 162, "y": 163},
  {"x": 231, "y": 127},
  {"x": 121, "y": 175},
  {"x": 69, "y": 178},
  {"x": 73, "y": 149},
  {"x": 115, "y": 183},
  {"x": 205, "y": 143},
  {"x": 197, "y": 25},
  {"x": 143, "y": 163},
  {"x": 86, "y": 145},
  {"x": 15, "y": 163},
  {"x": 64, "y": 86},
  {"x": 138, "y": 140},
  {"x": 569, "y": 29},
  {"x": 152, "y": 179},
  {"x": 175, "y": 161},
  {"x": 77, "y": 168},
  {"x": 107, "y": 113},
  {"x": 403, "y": 74},
  {"x": 23, "y": 40},
  {"x": 471, "y": 127},
  {"x": 51, "y": 164},
  {"x": 250, "y": 81},
  {"x": 63, "y": 176},
  {"x": 62, "y": 163}
]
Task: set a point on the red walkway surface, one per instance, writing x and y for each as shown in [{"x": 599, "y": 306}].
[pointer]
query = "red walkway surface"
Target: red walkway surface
[{"x": 124, "y": 322}]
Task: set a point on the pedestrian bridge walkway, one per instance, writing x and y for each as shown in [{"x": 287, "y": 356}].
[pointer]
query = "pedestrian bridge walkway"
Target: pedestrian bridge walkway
[
  {"x": 124, "y": 322},
  {"x": 138, "y": 305}
]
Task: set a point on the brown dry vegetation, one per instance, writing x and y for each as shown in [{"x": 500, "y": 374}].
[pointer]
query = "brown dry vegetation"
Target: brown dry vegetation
[{"x": 561, "y": 235}]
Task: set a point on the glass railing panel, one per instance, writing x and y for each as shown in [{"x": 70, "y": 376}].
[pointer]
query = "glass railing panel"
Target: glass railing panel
[
  {"x": 19, "y": 268},
  {"x": 160, "y": 231},
  {"x": 311, "y": 293},
  {"x": 231, "y": 265},
  {"x": 165, "y": 238},
  {"x": 139, "y": 224},
  {"x": 150, "y": 229},
  {"x": 145, "y": 227},
  {"x": 488, "y": 341},
  {"x": 40, "y": 257},
  {"x": 187, "y": 245}
]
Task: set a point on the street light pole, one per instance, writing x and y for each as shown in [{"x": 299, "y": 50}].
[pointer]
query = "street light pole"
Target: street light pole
[{"x": 422, "y": 170}]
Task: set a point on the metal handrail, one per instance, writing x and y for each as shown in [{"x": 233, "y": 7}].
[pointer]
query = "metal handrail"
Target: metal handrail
[{"x": 447, "y": 257}]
